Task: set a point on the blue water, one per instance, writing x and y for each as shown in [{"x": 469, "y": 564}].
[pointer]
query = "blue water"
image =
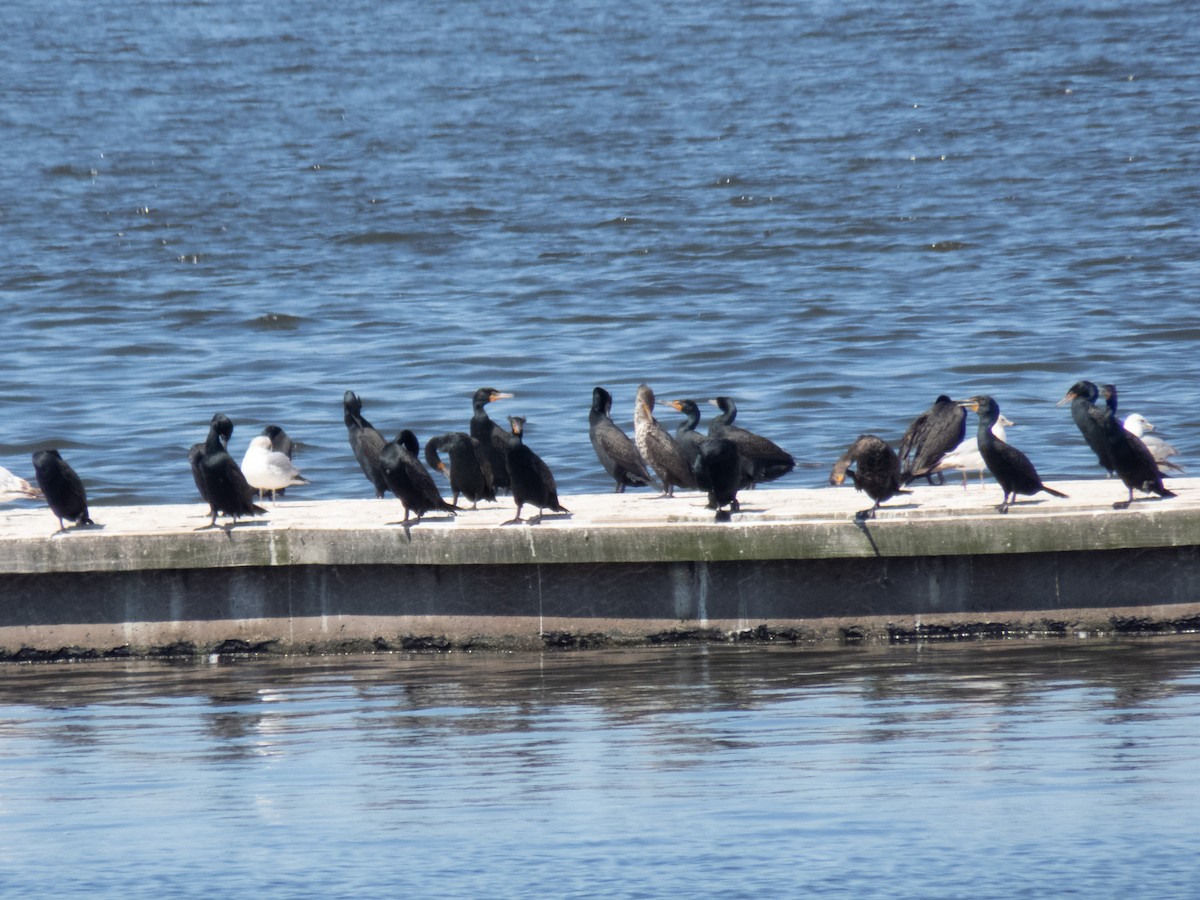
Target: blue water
[
  {"x": 830, "y": 211},
  {"x": 1062, "y": 769}
]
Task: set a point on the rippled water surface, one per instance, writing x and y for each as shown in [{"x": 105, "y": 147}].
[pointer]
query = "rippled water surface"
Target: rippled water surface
[
  {"x": 830, "y": 211},
  {"x": 1061, "y": 769}
]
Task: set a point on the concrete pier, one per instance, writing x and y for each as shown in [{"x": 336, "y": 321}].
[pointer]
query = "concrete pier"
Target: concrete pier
[{"x": 336, "y": 576}]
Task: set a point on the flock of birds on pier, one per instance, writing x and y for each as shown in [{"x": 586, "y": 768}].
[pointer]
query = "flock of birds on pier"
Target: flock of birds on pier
[{"x": 487, "y": 459}]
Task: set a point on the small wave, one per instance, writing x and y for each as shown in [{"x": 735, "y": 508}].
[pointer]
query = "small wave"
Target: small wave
[{"x": 276, "y": 322}]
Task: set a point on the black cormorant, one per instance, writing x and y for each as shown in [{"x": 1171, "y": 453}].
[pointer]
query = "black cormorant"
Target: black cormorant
[
  {"x": 62, "y": 488},
  {"x": 1090, "y": 420},
  {"x": 686, "y": 435},
  {"x": 470, "y": 472},
  {"x": 1133, "y": 462},
  {"x": 929, "y": 437},
  {"x": 365, "y": 441},
  {"x": 408, "y": 479},
  {"x": 767, "y": 459},
  {"x": 224, "y": 487},
  {"x": 616, "y": 452},
  {"x": 719, "y": 470},
  {"x": 1009, "y": 466},
  {"x": 876, "y": 471},
  {"x": 660, "y": 451},
  {"x": 494, "y": 438},
  {"x": 530, "y": 478},
  {"x": 966, "y": 456}
]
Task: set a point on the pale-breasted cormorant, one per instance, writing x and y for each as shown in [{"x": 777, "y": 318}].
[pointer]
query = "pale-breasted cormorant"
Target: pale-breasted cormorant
[
  {"x": 929, "y": 437},
  {"x": 14, "y": 487},
  {"x": 1137, "y": 424},
  {"x": 660, "y": 451},
  {"x": 268, "y": 469},
  {"x": 493, "y": 438},
  {"x": 876, "y": 471},
  {"x": 408, "y": 479},
  {"x": 966, "y": 456},
  {"x": 530, "y": 478},
  {"x": 616, "y": 452},
  {"x": 365, "y": 441},
  {"x": 224, "y": 487},
  {"x": 767, "y": 459},
  {"x": 1090, "y": 420},
  {"x": 1009, "y": 466},
  {"x": 470, "y": 472},
  {"x": 61, "y": 487},
  {"x": 1133, "y": 462}
]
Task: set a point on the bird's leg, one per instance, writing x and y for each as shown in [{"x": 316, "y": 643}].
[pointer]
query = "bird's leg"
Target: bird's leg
[
  {"x": 537, "y": 520},
  {"x": 516, "y": 520},
  {"x": 1124, "y": 504}
]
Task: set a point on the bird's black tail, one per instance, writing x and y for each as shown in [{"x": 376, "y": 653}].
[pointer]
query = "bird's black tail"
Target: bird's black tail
[{"x": 1050, "y": 490}]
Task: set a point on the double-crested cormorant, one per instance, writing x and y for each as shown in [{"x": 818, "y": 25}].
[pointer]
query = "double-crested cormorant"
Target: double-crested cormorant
[
  {"x": 493, "y": 438},
  {"x": 718, "y": 468},
  {"x": 767, "y": 460},
  {"x": 657, "y": 447},
  {"x": 62, "y": 488},
  {"x": 966, "y": 456},
  {"x": 1090, "y": 420},
  {"x": 470, "y": 472},
  {"x": 1133, "y": 462},
  {"x": 1009, "y": 466},
  {"x": 408, "y": 479},
  {"x": 222, "y": 483},
  {"x": 1137, "y": 424},
  {"x": 365, "y": 441},
  {"x": 14, "y": 487},
  {"x": 267, "y": 469},
  {"x": 686, "y": 435},
  {"x": 929, "y": 437},
  {"x": 530, "y": 478},
  {"x": 613, "y": 447},
  {"x": 876, "y": 471}
]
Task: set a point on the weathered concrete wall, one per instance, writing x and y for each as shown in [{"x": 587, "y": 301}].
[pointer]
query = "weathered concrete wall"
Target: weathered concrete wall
[{"x": 622, "y": 569}]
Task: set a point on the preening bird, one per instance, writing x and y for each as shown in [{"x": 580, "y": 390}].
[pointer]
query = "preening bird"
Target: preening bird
[
  {"x": 408, "y": 479},
  {"x": 365, "y": 441},
  {"x": 493, "y": 438},
  {"x": 1132, "y": 460},
  {"x": 221, "y": 482},
  {"x": 470, "y": 472},
  {"x": 616, "y": 452},
  {"x": 767, "y": 460},
  {"x": 268, "y": 469},
  {"x": 1090, "y": 420},
  {"x": 62, "y": 488},
  {"x": 660, "y": 451},
  {"x": 530, "y": 477},
  {"x": 929, "y": 437},
  {"x": 876, "y": 471},
  {"x": 1009, "y": 466}
]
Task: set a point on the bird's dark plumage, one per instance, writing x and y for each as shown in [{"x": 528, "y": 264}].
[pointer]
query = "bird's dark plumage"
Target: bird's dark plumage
[
  {"x": 365, "y": 441},
  {"x": 660, "y": 451},
  {"x": 616, "y": 452},
  {"x": 876, "y": 471},
  {"x": 470, "y": 472},
  {"x": 493, "y": 438},
  {"x": 929, "y": 437},
  {"x": 408, "y": 479},
  {"x": 719, "y": 471},
  {"x": 1090, "y": 420},
  {"x": 530, "y": 477},
  {"x": 1131, "y": 459},
  {"x": 686, "y": 435},
  {"x": 62, "y": 488},
  {"x": 222, "y": 484},
  {"x": 767, "y": 459},
  {"x": 1009, "y": 466}
]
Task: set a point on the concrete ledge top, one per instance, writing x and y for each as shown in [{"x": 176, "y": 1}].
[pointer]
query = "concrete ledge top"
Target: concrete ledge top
[{"x": 775, "y": 523}]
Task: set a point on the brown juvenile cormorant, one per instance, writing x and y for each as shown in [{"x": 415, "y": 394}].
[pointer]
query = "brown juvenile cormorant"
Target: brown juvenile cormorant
[
  {"x": 613, "y": 447},
  {"x": 62, "y": 488},
  {"x": 365, "y": 441},
  {"x": 929, "y": 437},
  {"x": 494, "y": 438},
  {"x": 408, "y": 479},
  {"x": 1133, "y": 462},
  {"x": 1009, "y": 466},
  {"x": 660, "y": 451},
  {"x": 470, "y": 473},
  {"x": 1090, "y": 420},
  {"x": 719, "y": 470},
  {"x": 224, "y": 486},
  {"x": 767, "y": 459},
  {"x": 530, "y": 478},
  {"x": 876, "y": 471}
]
